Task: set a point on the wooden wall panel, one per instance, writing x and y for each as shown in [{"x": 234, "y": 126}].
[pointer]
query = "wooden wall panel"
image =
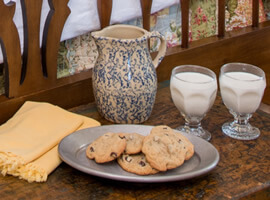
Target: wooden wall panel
[{"x": 250, "y": 45}]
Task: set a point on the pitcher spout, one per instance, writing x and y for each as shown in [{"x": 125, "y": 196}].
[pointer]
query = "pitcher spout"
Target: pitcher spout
[{"x": 120, "y": 32}]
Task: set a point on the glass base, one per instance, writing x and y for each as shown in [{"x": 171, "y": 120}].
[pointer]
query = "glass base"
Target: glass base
[
  {"x": 240, "y": 132},
  {"x": 199, "y": 132}
]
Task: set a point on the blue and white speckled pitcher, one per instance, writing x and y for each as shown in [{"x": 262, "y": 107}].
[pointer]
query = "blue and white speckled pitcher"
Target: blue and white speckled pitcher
[{"x": 124, "y": 76}]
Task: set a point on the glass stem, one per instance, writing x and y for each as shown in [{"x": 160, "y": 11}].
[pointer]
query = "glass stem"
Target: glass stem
[
  {"x": 241, "y": 119},
  {"x": 193, "y": 125}
]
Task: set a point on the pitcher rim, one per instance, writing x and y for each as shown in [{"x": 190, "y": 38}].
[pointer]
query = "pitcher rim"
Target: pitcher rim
[{"x": 143, "y": 37}]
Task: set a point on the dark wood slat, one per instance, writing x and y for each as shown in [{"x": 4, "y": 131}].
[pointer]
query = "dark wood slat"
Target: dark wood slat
[
  {"x": 104, "y": 11},
  {"x": 51, "y": 42},
  {"x": 255, "y": 13},
  {"x": 45, "y": 38},
  {"x": 33, "y": 13},
  {"x": 10, "y": 45},
  {"x": 146, "y": 6},
  {"x": 185, "y": 22},
  {"x": 25, "y": 39},
  {"x": 221, "y": 18}
]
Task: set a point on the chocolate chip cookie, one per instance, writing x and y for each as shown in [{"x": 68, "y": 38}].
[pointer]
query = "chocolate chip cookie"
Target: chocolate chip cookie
[
  {"x": 106, "y": 147},
  {"x": 164, "y": 151},
  {"x": 134, "y": 143},
  {"x": 136, "y": 164},
  {"x": 163, "y": 129},
  {"x": 188, "y": 145}
]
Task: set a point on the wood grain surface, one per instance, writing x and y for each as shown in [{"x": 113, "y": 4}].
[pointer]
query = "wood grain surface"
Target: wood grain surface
[{"x": 242, "y": 172}]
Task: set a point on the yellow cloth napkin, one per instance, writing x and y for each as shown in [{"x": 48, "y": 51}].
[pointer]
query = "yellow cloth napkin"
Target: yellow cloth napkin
[{"x": 29, "y": 140}]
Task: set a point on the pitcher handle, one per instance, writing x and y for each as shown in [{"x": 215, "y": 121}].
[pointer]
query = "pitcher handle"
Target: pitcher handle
[{"x": 162, "y": 48}]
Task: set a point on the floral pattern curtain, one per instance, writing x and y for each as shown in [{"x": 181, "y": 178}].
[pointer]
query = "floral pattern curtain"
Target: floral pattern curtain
[
  {"x": 203, "y": 19},
  {"x": 239, "y": 13}
]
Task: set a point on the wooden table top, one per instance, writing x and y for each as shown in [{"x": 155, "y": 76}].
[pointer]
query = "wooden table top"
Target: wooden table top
[{"x": 242, "y": 172}]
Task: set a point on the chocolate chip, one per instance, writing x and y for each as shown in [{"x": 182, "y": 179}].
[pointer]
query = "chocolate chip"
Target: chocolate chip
[
  {"x": 92, "y": 149},
  {"x": 113, "y": 154},
  {"x": 122, "y": 137},
  {"x": 142, "y": 163}
]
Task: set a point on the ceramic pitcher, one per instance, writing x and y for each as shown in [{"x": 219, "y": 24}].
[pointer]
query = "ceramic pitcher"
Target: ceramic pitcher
[{"x": 124, "y": 76}]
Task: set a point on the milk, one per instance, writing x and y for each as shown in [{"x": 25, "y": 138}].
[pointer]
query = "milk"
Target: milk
[
  {"x": 193, "y": 93},
  {"x": 242, "y": 92}
]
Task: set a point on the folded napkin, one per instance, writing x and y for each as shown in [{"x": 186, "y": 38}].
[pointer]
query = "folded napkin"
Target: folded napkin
[{"x": 29, "y": 140}]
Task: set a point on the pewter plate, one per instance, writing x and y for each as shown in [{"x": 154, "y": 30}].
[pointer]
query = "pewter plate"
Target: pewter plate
[{"x": 72, "y": 151}]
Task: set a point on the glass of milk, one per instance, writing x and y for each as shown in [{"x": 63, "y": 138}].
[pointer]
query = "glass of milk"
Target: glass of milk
[
  {"x": 242, "y": 88},
  {"x": 193, "y": 90}
]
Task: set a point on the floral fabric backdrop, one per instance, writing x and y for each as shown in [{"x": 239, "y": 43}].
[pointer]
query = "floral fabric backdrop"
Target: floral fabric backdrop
[
  {"x": 167, "y": 22},
  {"x": 239, "y": 13},
  {"x": 203, "y": 19},
  {"x": 76, "y": 55},
  {"x": 266, "y": 5}
]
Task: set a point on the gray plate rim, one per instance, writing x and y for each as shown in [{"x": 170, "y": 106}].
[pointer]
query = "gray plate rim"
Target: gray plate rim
[{"x": 208, "y": 156}]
